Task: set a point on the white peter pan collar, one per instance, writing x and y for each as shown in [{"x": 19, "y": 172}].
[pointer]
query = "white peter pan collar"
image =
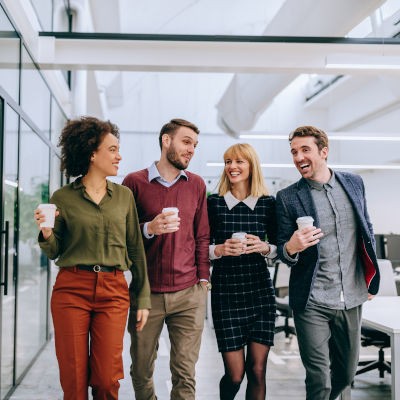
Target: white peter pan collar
[{"x": 231, "y": 201}]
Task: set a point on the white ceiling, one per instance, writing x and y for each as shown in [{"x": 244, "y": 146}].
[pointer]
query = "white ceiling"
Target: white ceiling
[
  {"x": 151, "y": 97},
  {"x": 229, "y": 89},
  {"x": 271, "y": 101}
]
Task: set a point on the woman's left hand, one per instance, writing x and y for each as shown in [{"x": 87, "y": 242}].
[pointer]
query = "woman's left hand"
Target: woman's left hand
[
  {"x": 256, "y": 245},
  {"x": 141, "y": 319}
]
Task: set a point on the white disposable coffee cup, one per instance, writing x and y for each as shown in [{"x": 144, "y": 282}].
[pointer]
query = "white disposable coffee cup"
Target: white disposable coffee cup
[
  {"x": 239, "y": 235},
  {"x": 49, "y": 211},
  {"x": 172, "y": 225},
  {"x": 304, "y": 222},
  {"x": 174, "y": 209}
]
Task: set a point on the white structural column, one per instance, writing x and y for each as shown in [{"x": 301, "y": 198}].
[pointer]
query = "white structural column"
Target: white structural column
[{"x": 79, "y": 82}]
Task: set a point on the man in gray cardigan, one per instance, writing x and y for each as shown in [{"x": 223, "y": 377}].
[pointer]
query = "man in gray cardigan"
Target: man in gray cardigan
[{"x": 333, "y": 263}]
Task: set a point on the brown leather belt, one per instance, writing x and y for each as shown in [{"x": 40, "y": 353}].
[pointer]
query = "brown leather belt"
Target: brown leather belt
[{"x": 95, "y": 268}]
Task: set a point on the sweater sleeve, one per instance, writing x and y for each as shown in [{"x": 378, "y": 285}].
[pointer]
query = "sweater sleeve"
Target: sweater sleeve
[{"x": 202, "y": 236}]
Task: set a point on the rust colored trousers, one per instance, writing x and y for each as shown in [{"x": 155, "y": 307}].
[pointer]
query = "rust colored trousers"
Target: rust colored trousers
[{"x": 89, "y": 312}]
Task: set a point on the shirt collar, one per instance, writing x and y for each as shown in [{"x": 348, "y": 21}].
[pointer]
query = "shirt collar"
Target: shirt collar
[
  {"x": 319, "y": 186},
  {"x": 231, "y": 201},
  {"x": 78, "y": 184},
  {"x": 154, "y": 173}
]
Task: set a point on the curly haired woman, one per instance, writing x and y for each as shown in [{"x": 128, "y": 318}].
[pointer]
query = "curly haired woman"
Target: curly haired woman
[{"x": 95, "y": 238}]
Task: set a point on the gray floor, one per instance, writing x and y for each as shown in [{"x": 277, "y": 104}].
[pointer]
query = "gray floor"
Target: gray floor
[{"x": 285, "y": 375}]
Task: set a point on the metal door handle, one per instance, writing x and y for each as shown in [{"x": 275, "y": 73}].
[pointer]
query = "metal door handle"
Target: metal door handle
[{"x": 6, "y": 243}]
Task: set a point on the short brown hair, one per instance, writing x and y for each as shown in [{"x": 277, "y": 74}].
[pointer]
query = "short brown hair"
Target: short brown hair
[
  {"x": 172, "y": 126},
  {"x": 320, "y": 137},
  {"x": 79, "y": 139}
]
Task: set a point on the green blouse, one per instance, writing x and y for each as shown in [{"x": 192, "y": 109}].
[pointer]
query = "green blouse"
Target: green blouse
[{"x": 107, "y": 233}]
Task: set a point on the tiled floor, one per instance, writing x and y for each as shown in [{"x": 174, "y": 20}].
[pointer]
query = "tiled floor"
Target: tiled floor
[{"x": 285, "y": 374}]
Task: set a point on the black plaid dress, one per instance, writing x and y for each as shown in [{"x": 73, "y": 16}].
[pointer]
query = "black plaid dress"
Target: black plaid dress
[{"x": 242, "y": 295}]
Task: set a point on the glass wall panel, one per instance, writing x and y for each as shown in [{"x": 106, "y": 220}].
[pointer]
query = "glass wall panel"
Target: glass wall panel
[
  {"x": 35, "y": 95},
  {"x": 55, "y": 173},
  {"x": 58, "y": 120},
  {"x": 9, "y": 191},
  {"x": 55, "y": 183},
  {"x": 32, "y": 263},
  {"x": 9, "y": 57}
]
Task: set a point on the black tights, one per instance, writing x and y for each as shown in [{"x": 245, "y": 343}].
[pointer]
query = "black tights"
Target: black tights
[{"x": 236, "y": 365}]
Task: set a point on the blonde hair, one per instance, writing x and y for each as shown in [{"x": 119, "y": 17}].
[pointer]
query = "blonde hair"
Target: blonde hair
[{"x": 246, "y": 152}]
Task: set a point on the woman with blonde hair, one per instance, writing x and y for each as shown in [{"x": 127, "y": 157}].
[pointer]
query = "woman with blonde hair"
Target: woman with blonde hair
[{"x": 242, "y": 296}]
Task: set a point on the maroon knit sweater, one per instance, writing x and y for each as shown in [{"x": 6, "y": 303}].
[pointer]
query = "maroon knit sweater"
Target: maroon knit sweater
[{"x": 177, "y": 260}]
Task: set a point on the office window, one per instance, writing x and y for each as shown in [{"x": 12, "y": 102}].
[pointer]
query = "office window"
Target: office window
[
  {"x": 58, "y": 120},
  {"x": 32, "y": 263},
  {"x": 9, "y": 57},
  {"x": 35, "y": 95}
]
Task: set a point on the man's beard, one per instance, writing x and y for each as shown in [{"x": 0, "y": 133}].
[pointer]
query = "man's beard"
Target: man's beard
[{"x": 172, "y": 157}]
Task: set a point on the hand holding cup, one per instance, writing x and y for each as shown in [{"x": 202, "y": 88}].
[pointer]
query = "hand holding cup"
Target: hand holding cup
[
  {"x": 304, "y": 222},
  {"x": 240, "y": 238},
  {"x": 256, "y": 245},
  {"x": 45, "y": 217},
  {"x": 234, "y": 246},
  {"x": 305, "y": 236},
  {"x": 171, "y": 219}
]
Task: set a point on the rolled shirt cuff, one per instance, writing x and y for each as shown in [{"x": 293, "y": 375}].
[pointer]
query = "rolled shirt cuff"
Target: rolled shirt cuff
[
  {"x": 145, "y": 233},
  {"x": 273, "y": 251},
  {"x": 211, "y": 252},
  {"x": 291, "y": 259}
]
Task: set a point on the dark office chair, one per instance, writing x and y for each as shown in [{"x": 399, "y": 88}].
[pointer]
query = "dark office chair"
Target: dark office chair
[
  {"x": 373, "y": 337},
  {"x": 281, "y": 285}
]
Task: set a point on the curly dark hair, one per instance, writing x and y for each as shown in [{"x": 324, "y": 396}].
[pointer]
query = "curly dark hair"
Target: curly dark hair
[
  {"x": 172, "y": 126},
  {"x": 79, "y": 139}
]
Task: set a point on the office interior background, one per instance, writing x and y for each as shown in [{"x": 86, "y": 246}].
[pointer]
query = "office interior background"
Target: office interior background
[{"x": 242, "y": 71}]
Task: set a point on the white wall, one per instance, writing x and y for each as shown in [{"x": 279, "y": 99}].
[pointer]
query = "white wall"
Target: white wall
[{"x": 383, "y": 199}]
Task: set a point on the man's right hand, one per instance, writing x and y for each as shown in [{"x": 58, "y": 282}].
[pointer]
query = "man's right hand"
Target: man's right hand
[
  {"x": 302, "y": 239},
  {"x": 163, "y": 223}
]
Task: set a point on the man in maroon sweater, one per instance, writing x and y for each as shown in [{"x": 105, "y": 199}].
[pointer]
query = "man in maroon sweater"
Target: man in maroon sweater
[{"x": 177, "y": 261}]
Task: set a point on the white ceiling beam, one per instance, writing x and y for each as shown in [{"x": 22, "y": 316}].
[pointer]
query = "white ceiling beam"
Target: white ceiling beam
[{"x": 206, "y": 56}]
